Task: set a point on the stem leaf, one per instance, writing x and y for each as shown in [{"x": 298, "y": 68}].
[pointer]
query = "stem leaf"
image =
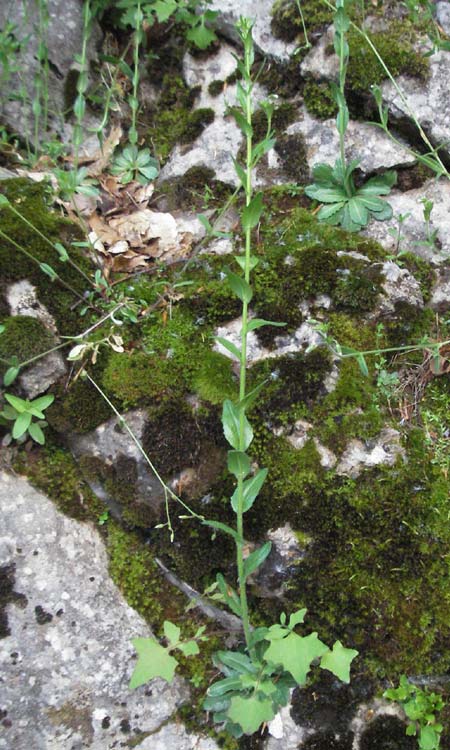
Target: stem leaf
[
  {"x": 260, "y": 322},
  {"x": 256, "y": 559},
  {"x": 251, "y": 490},
  {"x": 231, "y": 421},
  {"x": 240, "y": 286},
  {"x": 238, "y": 464},
  {"x": 252, "y": 213}
]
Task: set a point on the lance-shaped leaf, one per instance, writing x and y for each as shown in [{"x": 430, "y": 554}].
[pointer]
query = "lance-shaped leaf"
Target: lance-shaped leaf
[
  {"x": 252, "y": 213},
  {"x": 338, "y": 661},
  {"x": 231, "y": 421},
  {"x": 239, "y": 286},
  {"x": 230, "y": 596},
  {"x": 238, "y": 464},
  {"x": 229, "y": 346},
  {"x": 253, "y": 561},
  {"x": 154, "y": 661},
  {"x": 260, "y": 322},
  {"x": 250, "y": 491},
  {"x": 219, "y": 526},
  {"x": 21, "y": 425}
]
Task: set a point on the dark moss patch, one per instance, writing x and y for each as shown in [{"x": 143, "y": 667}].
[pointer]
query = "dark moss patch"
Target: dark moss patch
[
  {"x": 282, "y": 78},
  {"x": 387, "y": 733},
  {"x": 8, "y": 596},
  {"x": 292, "y": 152},
  {"x": 175, "y": 120},
  {"x": 24, "y": 337},
  {"x": 32, "y": 200},
  {"x": 329, "y": 741},
  {"x": 80, "y": 408},
  {"x": 295, "y": 382},
  {"x": 328, "y": 706},
  {"x": 193, "y": 190},
  {"x": 176, "y": 436},
  {"x": 216, "y": 87},
  {"x": 286, "y": 22},
  {"x": 319, "y": 100}
]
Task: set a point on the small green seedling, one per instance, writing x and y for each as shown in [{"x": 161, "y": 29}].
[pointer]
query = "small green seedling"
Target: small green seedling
[
  {"x": 421, "y": 707},
  {"x": 24, "y": 413},
  {"x": 135, "y": 164}
]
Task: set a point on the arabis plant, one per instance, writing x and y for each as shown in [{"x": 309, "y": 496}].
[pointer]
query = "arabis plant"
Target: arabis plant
[{"x": 258, "y": 675}]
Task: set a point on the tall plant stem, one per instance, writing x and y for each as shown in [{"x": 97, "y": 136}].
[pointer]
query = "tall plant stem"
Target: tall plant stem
[
  {"x": 248, "y": 58},
  {"x": 133, "y": 99}
]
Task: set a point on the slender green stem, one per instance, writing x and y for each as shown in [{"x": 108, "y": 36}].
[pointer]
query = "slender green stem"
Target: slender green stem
[
  {"x": 243, "y": 358},
  {"x": 82, "y": 84},
  {"x": 49, "y": 242},
  {"x": 38, "y": 263},
  {"x": 168, "y": 492},
  {"x": 133, "y": 99}
]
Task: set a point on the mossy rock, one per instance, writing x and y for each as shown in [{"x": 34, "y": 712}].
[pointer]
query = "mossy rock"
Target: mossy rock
[
  {"x": 396, "y": 48},
  {"x": 293, "y": 156},
  {"x": 319, "y": 100},
  {"x": 287, "y": 24},
  {"x": 193, "y": 190},
  {"x": 32, "y": 200},
  {"x": 78, "y": 409},
  {"x": 54, "y": 471},
  {"x": 175, "y": 120},
  {"x": 24, "y": 337}
]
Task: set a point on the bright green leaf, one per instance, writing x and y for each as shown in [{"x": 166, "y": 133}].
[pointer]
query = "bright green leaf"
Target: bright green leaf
[
  {"x": 172, "y": 632},
  {"x": 21, "y": 425},
  {"x": 238, "y": 464},
  {"x": 36, "y": 433},
  {"x": 252, "y": 213},
  {"x": 251, "y": 489},
  {"x": 250, "y": 712},
  {"x": 154, "y": 661},
  {"x": 338, "y": 661},
  {"x": 296, "y": 654},
  {"x": 239, "y": 286},
  {"x": 256, "y": 558}
]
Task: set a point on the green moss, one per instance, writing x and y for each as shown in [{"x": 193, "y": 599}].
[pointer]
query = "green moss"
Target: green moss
[
  {"x": 32, "y": 200},
  {"x": 54, "y": 471},
  {"x": 395, "y": 46},
  {"x": 24, "y": 337},
  {"x": 175, "y": 121},
  {"x": 134, "y": 571},
  {"x": 319, "y": 100},
  {"x": 286, "y": 22},
  {"x": 282, "y": 116},
  {"x": 140, "y": 378},
  {"x": 210, "y": 299},
  {"x": 214, "y": 380}
]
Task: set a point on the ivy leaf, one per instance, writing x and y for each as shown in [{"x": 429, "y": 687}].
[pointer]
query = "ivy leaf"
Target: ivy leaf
[
  {"x": 172, "y": 632},
  {"x": 297, "y": 617},
  {"x": 250, "y": 712},
  {"x": 295, "y": 654},
  {"x": 338, "y": 661},
  {"x": 154, "y": 661},
  {"x": 164, "y": 9},
  {"x": 189, "y": 649},
  {"x": 428, "y": 739},
  {"x": 201, "y": 36}
]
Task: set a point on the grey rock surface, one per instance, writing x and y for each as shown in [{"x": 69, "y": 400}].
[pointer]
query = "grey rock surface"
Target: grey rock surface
[
  {"x": 374, "y": 150},
  {"x": 413, "y": 231},
  {"x": 23, "y": 300},
  {"x": 428, "y": 101},
  {"x": 67, "y": 657},
  {"x": 443, "y": 15},
  {"x": 382, "y": 451},
  {"x": 229, "y": 13},
  {"x": 64, "y": 41}
]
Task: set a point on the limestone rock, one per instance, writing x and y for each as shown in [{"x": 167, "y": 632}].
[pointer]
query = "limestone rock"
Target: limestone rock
[
  {"x": 374, "y": 150},
  {"x": 64, "y": 41},
  {"x": 429, "y": 102},
  {"x": 22, "y": 300},
  {"x": 67, "y": 657},
  {"x": 399, "y": 286},
  {"x": 413, "y": 231},
  {"x": 384, "y": 451},
  {"x": 229, "y": 13}
]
